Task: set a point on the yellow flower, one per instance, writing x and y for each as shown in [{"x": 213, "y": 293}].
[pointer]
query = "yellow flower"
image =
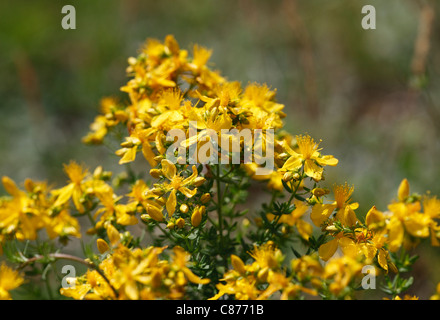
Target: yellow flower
[
  {"x": 345, "y": 210},
  {"x": 309, "y": 155},
  {"x": 170, "y": 110},
  {"x": 9, "y": 280},
  {"x": 138, "y": 137},
  {"x": 19, "y": 216},
  {"x": 111, "y": 209},
  {"x": 266, "y": 255},
  {"x": 74, "y": 189},
  {"x": 177, "y": 183},
  {"x": 201, "y": 56},
  {"x": 341, "y": 271}
]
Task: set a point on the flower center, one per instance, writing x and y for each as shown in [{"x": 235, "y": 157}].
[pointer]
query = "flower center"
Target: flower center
[
  {"x": 342, "y": 194},
  {"x": 307, "y": 146}
]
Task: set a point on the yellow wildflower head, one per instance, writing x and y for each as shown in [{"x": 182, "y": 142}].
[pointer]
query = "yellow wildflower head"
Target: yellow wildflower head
[
  {"x": 306, "y": 145},
  {"x": 267, "y": 255},
  {"x": 9, "y": 280},
  {"x": 75, "y": 172},
  {"x": 201, "y": 55},
  {"x": 171, "y": 98},
  {"x": 258, "y": 94},
  {"x": 342, "y": 194}
]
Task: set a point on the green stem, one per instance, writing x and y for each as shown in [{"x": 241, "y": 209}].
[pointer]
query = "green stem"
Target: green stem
[{"x": 220, "y": 214}]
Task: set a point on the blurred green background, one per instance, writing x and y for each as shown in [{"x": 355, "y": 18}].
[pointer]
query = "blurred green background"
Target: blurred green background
[{"x": 372, "y": 96}]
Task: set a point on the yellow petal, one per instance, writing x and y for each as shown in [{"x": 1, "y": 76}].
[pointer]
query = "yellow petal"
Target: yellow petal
[
  {"x": 293, "y": 163},
  {"x": 327, "y": 250},
  {"x": 131, "y": 290},
  {"x": 321, "y": 212},
  {"x": 149, "y": 154},
  {"x": 305, "y": 229},
  {"x": 191, "y": 177},
  {"x": 374, "y": 217},
  {"x": 382, "y": 259},
  {"x": 64, "y": 195},
  {"x": 396, "y": 233},
  {"x": 238, "y": 264},
  {"x": 10, "y": 186},
  {"x": 168, "y": 169},
  {"x": 418, "y": 225},
  {"x": 327, "y": 161},
  {"x": 113, "y": 235},
  {"x": 193, "y": 278},
  {"x": 129, "y": 155}
]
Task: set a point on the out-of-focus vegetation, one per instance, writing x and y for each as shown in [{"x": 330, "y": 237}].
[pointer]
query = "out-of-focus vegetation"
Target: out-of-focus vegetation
[{"x": 371, "y": 95}]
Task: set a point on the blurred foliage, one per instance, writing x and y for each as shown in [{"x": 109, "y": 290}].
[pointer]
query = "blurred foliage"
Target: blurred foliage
[{"x": 355, "y": 89}]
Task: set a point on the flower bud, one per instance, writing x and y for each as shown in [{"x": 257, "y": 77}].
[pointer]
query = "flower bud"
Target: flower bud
[
  {"x": 102, "y": 245},
  {"x": 263, "y": 274},
  {"x": 196, "y": 218},
  {"x": 288, "y": 176},
  {"x": 238, "y": 264},
  {"x": 205, "y": 198},
  {"x": 155, "y": 213},
  {"x": 319, "y": 192},
  {"x": 331, "y": 228},
  {"x": 155, "y": 173},
  {"x": 184, "y": 208},
  {"x": 180, "y": 223},
  {"x": 127, "y": 144}
]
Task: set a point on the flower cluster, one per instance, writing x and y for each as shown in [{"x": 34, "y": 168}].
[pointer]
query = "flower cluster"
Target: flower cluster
[
  {"x": 181, "y": 229},
  {"x": 133, "y": 273},
  {"x": 24, "y": 212}
]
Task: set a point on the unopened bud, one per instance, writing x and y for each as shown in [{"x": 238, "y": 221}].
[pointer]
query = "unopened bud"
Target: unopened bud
[
  {"x": 205, "y": 198},
  {"x": 403, "y": 191},
  {"x": 283, "y": 156},
  {"x": 155, "y": 173},
  {"x": 196, "y": 218},
  {"x": 180, "y": 223},
  {"x": 155, "y": 213},
  {"x": 319, "y": 192},
  {"x": 288, "y": 176},
  {"x": 102, "y": 246},
  {"x": 331, "y": 228},
  {"x": 199, "y": 181},
  {"x": 184, "y": 208},
  {"x": 238, "y": 264}
]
